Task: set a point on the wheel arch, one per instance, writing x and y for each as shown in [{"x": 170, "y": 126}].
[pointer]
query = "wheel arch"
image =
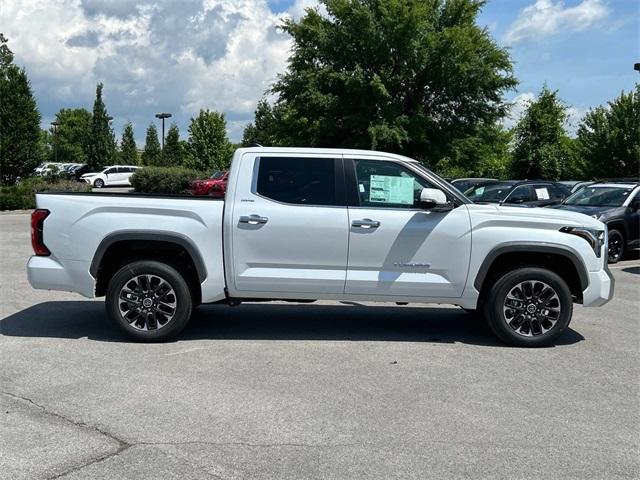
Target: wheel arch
[
  {"x": 120, "y": 248},
  {"x": 560, "y": 259},
  {"x": 619, "y": 225}
]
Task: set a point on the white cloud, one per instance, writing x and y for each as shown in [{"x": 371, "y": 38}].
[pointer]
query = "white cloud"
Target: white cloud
[
  {"x": 151, "y": 55},
  {"x": 518, "y": 106},
  {"x": 545, "y": 18},
  {"x": 299, "y": 7}
]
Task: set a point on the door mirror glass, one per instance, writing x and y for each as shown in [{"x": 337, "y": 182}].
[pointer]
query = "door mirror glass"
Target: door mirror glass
[{"x": 431, "y": 198}]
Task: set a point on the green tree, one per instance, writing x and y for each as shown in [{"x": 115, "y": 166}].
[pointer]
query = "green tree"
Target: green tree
[
  {"x": 408, "y": 76},
  {"x": 487, "y": 153},
  {"x": 128, "y": 147},
  {"x": 20, "y": 135},
  {"x": 542, "y": 147},
  {"x": 70, "y": 140},
  {"x": 172, "y": 154},
  {"x": 609, "y": 138},
  {"x": 265, "y": 129},
  {"x": 151, "y": 155},
  {"x": 102, "y": 141},
  {"x": 209, "y": 148}
]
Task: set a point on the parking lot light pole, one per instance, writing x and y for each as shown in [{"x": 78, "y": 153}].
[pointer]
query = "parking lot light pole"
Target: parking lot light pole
[
  {"x": 162, "y": 116},
  {"x": 55, "y": 124}
]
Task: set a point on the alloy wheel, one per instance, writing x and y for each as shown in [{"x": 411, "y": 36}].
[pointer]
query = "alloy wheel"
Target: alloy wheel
[
  {"x": 147, "y": 302},
  {"x": 615, "y": 247},
  {"x": 531, "y": 308}
]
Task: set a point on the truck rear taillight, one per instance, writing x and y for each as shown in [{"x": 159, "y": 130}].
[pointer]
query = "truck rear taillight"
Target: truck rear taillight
[{"x": 37, "y": 224}]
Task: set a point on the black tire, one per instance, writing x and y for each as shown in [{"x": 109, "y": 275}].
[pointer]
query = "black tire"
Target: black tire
[
  {"x": 616, "y": 246},
  {"x": 155, "y": 324},
  {"x": 519, "y": 326},
  {"x": 99, "y": 183}
]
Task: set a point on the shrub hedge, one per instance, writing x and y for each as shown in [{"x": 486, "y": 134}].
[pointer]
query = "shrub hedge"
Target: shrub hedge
[
  {"x": 21, "y": 196},
  {"x": 164, "y": 179}
]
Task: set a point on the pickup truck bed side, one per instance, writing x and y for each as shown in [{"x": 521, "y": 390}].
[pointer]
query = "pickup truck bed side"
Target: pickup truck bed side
[{"x": 80, "y": 227}]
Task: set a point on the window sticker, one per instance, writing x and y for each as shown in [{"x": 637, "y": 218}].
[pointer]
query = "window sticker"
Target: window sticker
[
  {"x": 386, "y": 189},
  {"x": 479, "y": 191},
  {"x": 361, "y": 187},
  {"x": 542, "y": 193}
]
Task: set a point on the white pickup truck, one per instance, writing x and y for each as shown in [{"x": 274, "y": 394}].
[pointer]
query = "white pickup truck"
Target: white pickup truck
[{"x": 312, "y": 224}]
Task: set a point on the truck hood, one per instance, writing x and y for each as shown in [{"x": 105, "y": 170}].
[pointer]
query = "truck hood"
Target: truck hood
[
  {"x": 536, "y": 215},
  {"x": 585, "y": 209}
]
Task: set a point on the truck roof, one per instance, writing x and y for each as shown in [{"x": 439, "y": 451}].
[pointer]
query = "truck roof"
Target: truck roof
[{"x": 328, "y": 151}]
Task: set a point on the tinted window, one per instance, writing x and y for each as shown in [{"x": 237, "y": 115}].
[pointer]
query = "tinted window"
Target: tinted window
[
  {"x": 522, "y": 193},
  {"x": 304, "y": 181},
  {"x": 387, "y": 184},
  {"x": 492, "y": 192},
  {"x": 559, "y": 191},
  {"x": 599, "y": 196},
  {"x": 111, "y": 170}
]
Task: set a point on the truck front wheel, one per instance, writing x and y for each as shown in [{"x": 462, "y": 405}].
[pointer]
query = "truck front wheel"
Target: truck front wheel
[
  {"x": 149, "y": 301},
  {"x": 529, "y": 307}
]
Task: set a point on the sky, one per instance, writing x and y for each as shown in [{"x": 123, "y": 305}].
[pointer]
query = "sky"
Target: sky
[{"x": 180, "y": 56}]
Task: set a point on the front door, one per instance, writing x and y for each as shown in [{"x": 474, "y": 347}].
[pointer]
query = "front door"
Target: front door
[
  {"x": 395, "y": 247},
  {"x": 290, "y": 227}
]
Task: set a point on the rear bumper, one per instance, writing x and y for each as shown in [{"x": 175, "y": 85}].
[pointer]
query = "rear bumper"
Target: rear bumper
[
  {"x": 49, "y": 273},
  {"x": 600, "y": 289}
]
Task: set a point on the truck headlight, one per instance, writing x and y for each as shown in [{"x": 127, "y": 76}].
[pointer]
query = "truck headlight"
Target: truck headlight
[{"x": 595, "y": 238}]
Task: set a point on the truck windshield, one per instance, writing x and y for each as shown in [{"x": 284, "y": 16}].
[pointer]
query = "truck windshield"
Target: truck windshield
[
  {"x": 493, "y": 192},
  {"x": 599, "y": 196}
]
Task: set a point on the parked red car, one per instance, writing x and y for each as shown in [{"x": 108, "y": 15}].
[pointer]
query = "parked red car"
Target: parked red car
[{"x": 216, "y": 185}]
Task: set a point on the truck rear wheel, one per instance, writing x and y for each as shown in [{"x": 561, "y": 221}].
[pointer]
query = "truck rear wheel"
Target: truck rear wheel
[
  {"x": 149, "y": 301},
  {"x": 529, "y": 307}
]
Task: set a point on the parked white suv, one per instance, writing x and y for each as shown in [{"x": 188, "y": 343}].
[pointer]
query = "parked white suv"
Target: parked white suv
[
  {"x": 321, "y": 224},
  {"x": 117, "y": 175}
]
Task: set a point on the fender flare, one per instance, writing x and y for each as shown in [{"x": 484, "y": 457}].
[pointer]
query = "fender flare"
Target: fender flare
[
  {"x": 525, "y": 247},
  {"x": 146, "y": 235}
]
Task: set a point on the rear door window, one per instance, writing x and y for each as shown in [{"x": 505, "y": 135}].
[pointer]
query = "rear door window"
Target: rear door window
[{"x": 298, "y": 181}]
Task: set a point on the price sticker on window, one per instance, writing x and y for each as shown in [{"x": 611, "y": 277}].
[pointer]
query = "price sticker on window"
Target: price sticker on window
[{"x": 387, "y": 189}]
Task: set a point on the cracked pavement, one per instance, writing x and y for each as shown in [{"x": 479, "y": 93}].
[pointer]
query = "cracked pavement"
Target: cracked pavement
[{"x": 330, "y": 391}]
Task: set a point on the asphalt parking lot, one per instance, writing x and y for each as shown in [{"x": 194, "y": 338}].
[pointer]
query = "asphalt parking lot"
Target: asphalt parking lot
[{"x": 271, "y": 391}]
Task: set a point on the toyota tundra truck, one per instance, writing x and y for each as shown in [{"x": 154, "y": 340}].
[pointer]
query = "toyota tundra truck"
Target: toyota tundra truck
[{"x": 302, "y": 224}]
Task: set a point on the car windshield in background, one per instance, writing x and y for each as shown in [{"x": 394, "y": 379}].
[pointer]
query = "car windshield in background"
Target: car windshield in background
[
  {"x": 599, "y": 196},
  {"x": 493, "y": 192},
  {"x": 217, "y": 175}
]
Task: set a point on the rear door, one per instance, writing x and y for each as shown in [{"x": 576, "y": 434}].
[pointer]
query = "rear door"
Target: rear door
[
  {"x": 290, "y": 227},
  {"x": 111, "y": 176},
  {"x": 395, "y": 247}
]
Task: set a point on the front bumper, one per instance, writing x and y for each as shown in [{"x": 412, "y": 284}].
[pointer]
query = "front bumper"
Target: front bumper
[{"x": 600, "y": 289}]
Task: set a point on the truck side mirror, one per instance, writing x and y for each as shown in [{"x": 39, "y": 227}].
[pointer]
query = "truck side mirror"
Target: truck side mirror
[{"x": 434, "y": 199}]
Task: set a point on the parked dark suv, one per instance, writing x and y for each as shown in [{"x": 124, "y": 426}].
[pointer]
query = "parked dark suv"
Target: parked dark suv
[
  {"x": 524, "y": 193},
  {"x": 617, "y": 205}
]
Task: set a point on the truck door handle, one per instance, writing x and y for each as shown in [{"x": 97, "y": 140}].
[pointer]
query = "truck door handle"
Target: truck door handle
[
  {"x": 253, "y": 219},
  {"x": 365, "y": 223}
]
